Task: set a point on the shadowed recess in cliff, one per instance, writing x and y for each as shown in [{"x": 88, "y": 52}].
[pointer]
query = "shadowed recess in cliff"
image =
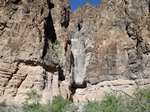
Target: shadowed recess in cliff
[
  {"x": 149, "y": 6},
  {"x": 49, "y": 30},
  {"x": 61, "y": 76},
  {"x": 65, "y": 17}
]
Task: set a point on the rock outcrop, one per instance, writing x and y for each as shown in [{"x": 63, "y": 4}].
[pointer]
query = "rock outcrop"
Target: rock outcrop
[
  {"x": 33, "y": 38},
  {"x": 111, "y": 42},
  {"x": 77, "y": 55}
]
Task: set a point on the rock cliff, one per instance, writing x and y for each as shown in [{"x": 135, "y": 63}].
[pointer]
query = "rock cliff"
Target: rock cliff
[
  {"x": 79, "y": 55},
  {"x": 111, "y": 47},
  {"x": 32, "y": 48}
]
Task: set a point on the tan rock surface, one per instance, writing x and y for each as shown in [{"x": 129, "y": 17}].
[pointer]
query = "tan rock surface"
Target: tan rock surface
[
  {"x": 29, "y": 56},
  {"x": 78, "y": 55},
  {"x": 97, "y": 92},
  {"x": 113, "y": 40}
]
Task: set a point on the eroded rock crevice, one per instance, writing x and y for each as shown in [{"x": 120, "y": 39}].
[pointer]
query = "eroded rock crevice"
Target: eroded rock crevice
[
  {"x": 49, "y": 30},
  {"x": 65, "y": 16}
]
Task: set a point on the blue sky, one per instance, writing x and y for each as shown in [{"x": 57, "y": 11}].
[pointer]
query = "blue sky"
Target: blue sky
[{"x": 78, "y": 3}]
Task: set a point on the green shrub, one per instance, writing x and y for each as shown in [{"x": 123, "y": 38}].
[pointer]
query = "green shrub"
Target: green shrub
[
  {"x": 33, "y": 97},
  {"x": 71, "y": 108},
  {"x": 110, "y": 103},
  {"x": 58, "y": 104},
  {"x": 92, "y": 107},
  {"x": 56, "y": 44},
  {"x": 35, "y": 108},
  {"x": 32, "y": 104},
  {"x": 143, "y": 93},
  {"x": 139, "y": 102},
  {"x": 9, "y": 108}
]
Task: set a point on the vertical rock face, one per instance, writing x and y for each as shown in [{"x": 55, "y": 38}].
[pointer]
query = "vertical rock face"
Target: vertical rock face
[
  {"x": 110, "y": 43},
  {"x": 113, "y": 40},
  {"x": 33, "y": 38},
  {"x": 78, "y": 56}
]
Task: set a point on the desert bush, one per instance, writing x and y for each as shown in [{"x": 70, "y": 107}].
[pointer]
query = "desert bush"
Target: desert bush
[
  {"x": 71, "y": 108},
  {"x": 92, "y": 107},
  {"x": 110, "y": 103},
  {"x": 59, "y": 104},
  {"x": 35, "y": 108},
  {"x": 32, "y": 104},
  {"x": 139, "y": 102},
  {"x": 33, "y": 97},
  {"x": 9, "y": 108}
]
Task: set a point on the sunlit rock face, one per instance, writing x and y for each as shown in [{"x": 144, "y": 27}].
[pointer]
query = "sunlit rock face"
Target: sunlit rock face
[
  {"x": 115, "y": 43},
  {"x": 33, "y": 38},
  {"x": 78, "y": 55},
  {"x": 113, "y": 39}
]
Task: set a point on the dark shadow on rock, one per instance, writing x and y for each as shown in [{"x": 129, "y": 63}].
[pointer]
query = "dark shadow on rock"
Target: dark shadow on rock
[
  {"x": 61, "y": 76},
  {"x": 49, "y": 30},
  {"x": 65, "y": 17}
]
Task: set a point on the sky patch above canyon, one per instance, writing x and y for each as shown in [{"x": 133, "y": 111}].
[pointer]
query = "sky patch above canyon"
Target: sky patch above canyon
[{"x": 75, "y": 4}]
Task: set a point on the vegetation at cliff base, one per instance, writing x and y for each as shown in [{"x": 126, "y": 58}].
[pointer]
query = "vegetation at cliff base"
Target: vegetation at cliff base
[
  {"x": 32, "y": 104},
  {"x": 58, "y": 104},
  {"x": 139, "y": 102},
  {"x": 110, "y": 103}
]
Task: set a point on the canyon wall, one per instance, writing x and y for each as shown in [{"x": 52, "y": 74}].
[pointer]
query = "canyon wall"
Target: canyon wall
[
  {"x": 114, "y": 47},
  {"x": 79, "y": 55},
  {"x": 33, "y": 38}
]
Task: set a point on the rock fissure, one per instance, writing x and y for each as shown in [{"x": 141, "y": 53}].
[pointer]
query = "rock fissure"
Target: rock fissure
[
  {"x": 65, "y": 16},
  {"x": 49, "y": 30}
]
